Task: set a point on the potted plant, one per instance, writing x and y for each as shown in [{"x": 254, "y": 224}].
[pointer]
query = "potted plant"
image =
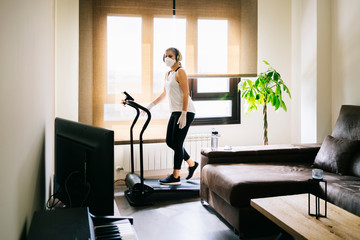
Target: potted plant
[{"x": 267, "y": 88}]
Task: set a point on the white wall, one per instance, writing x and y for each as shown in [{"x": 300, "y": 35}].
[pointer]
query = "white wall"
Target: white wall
[
  {"x": 308, "y": 70},
  {"x": 311, "y": 64},
  {"x": 325, "y": 55},
  {"x": 27, "y": 110},
  {"x": 67, "y": 59},
  {"x": 345, "y": 54},
  {"x": 296, "y": 70},
  {"x": 324, "y": 126}
]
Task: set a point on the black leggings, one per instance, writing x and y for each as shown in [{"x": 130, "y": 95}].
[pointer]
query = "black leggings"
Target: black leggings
[{"x": 175, "y": 137}]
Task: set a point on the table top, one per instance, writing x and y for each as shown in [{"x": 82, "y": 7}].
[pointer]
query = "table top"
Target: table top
[{"x": 291, "y": 214}]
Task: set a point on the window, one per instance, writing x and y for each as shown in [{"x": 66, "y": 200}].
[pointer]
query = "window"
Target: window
[
  {"x": 214, "y": 93},
  {"x": 216, "y": 107},
  {"x": 124, "y": 54},
  {"x": 129, "y": 39},
  {"x": 124, "y": 64}
]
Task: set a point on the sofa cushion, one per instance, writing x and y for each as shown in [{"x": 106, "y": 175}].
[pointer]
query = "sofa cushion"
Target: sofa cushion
[
  {"x": 343, "y": 191},
  {"x": 354, "y": 168},
  {"x": 335, "y": 154},
  {"x": 238, "y": 183}
]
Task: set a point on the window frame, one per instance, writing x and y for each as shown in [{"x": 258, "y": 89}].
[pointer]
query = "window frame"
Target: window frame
[{"x": 233, "y": 94}]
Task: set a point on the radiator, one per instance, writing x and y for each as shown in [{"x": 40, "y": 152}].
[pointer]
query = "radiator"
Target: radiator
[{"x": 157, "y": 156}]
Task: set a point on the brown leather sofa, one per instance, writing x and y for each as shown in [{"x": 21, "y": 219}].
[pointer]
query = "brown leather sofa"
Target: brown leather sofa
[{"x": 229, "y": 179}]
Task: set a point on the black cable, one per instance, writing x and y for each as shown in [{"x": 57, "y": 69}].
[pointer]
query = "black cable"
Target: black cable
[
  {"x": 54, "y": 203},
  {"x": 87, "y": 194},
  {"x": 48, "y": 202},
  {"x": 66, "y": 188}
]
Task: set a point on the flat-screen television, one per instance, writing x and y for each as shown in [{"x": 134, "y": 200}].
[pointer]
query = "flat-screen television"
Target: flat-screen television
[{"x": 84, "y": 166}]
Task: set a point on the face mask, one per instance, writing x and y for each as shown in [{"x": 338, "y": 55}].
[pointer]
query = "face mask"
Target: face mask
[{"x": 169, "y": 62}]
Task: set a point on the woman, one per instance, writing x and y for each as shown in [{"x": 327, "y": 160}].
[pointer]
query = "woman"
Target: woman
[{"x": 182, "y": 109}]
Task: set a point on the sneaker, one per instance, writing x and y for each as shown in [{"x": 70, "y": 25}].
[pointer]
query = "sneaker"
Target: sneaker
[
  {"x": 170, "y": 180},
  {"x": 192, "y": 170}
]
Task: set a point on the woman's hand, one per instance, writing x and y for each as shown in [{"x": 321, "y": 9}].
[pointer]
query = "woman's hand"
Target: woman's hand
[
  {"x": 156, "y": 101},
  {"x": 182, "y": 120},
  {"x": 149, "y": 107}
]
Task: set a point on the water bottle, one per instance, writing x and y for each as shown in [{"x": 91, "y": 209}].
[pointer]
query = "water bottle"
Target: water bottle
[{"x": 214, "y": 139}]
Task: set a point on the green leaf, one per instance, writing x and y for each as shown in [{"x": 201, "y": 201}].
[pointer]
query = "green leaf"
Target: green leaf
[
  {"x": 285, "y": 88},
  {"x": 276, "y": 76},
  {"x": 284, "y": 105},
  {"x": 273, "y": 100},
  {"x": 251, "y": 94},
  {"x": 278, "y": 90},
  {"x": 288, "y": 92},
  {"x": 246, "y": 84},
  {"x": 248, "y": 94},
  {"x": 266, "y": 62},
  {"x": 261, "y": 82},
  {"x": 277, "y": 103},
  {"x": 243, "y": 94},
  {"x": 243, "y": 87}
]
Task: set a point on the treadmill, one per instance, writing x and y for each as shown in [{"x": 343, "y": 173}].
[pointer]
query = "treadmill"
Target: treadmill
[{"x": 141, "y": 191}]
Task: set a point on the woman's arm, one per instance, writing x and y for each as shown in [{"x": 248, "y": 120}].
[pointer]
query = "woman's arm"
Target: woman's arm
[
  {"x": 184, "y": 85},
  {"x": 160, "y": 97},
  {"x": 156, "y": 101}
]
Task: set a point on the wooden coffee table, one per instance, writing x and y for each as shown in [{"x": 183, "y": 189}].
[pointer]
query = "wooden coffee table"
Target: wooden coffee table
[{"x": 291, "y": 214}]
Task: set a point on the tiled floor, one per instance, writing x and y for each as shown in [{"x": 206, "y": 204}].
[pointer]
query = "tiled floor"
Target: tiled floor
[{"x": 175, "y": 219}]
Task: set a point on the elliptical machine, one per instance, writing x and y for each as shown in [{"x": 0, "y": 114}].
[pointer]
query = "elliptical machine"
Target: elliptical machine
[{"x": 141, "y": 191}]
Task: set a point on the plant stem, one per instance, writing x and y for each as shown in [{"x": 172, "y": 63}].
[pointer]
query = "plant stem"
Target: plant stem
[{"x": 266, "y": 142}]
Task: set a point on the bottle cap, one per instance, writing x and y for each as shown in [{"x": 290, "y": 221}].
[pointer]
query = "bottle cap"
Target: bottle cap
[{"x": 214, "y": 131}]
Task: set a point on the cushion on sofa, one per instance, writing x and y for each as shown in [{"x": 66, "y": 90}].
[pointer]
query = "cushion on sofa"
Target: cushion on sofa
[
  {"x": 335, "y": 154},
  {"x": 238, "y": 183},
  {"x": 354, "y": 168},
  {"x": 344, "y": 193}
]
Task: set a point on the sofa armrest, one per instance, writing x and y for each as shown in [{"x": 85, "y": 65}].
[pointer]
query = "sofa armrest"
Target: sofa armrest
[{"x": 302, "y": 153}]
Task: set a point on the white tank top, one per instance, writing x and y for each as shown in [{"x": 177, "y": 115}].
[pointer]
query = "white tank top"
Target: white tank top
[{"x": 175, "y": 94}]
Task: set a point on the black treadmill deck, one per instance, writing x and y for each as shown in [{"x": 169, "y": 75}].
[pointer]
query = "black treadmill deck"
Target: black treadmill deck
[
  {"x": 186, "y": 185},
  {"x": 187, "y": 189}
]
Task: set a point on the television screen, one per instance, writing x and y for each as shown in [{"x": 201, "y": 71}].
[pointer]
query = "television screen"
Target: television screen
[{"x": 84, "y": 166}]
